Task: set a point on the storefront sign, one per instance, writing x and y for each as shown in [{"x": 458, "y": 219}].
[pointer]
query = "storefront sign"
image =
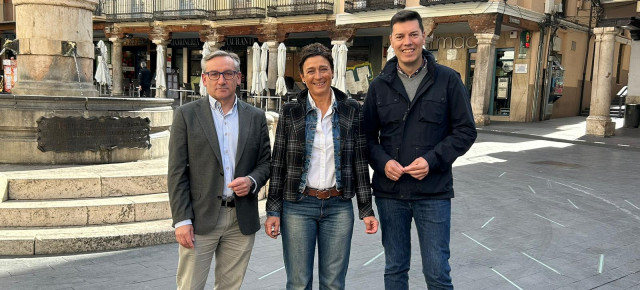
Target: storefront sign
[
  {"x": 185, "y": 42},
  {"x": 457, "y": 42},
  {"x": 521, "y": 68},
  {"x": 239, "y": 41},
  {"x": 134, "y": 42}
]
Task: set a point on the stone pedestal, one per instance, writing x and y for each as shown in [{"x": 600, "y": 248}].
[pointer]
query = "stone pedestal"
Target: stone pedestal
[
  {"x": 50, "y": 33},
  {"x": 600, "y": 126},
  {"x": 483, "y": 77},
  {"x": 599, "y": 121},
  {"x": 19, "y": 128}
]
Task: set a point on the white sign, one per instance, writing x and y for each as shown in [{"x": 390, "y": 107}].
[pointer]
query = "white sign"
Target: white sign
[
  {"x": 452, "y": 54},
  {"x": 521, "y": 68}
]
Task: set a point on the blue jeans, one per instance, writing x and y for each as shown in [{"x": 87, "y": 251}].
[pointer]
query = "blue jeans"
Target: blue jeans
[
  {"x": 433, "y": 222},
  {"x": 330, "y": 223}
]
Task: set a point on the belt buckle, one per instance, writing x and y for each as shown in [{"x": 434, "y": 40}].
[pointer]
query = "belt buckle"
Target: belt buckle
[{"x": 323, "y": 194}]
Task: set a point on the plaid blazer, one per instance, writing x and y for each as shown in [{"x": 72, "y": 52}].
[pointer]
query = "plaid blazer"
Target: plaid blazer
[{"x": 287, "y": 161}]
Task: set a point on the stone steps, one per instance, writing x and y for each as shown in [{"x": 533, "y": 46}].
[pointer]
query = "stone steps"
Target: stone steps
[
  {"x": 67, "y": 240},
  {"x": 66, "y": 183},
  {"x": 59, "y": 209},
  {"x": 86, "y": 211}
]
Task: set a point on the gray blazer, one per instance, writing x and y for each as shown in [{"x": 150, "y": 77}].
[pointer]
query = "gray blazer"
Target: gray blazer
[{"x": 195, "y": 176}]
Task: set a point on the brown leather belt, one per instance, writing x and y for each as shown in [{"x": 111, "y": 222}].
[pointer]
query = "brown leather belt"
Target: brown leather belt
[{"x": 322, "y": 193}]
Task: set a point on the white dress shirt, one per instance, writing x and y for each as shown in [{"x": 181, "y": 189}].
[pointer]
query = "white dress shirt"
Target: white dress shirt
[{"x": 322, "y": 168}]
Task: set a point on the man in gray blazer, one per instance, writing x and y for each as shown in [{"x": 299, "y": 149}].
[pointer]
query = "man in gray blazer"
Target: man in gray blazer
[{"x": 219, "y": 158}]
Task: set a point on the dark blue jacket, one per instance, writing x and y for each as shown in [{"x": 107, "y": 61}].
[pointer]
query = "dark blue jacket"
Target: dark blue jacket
[{"x": 438, "y": 125}]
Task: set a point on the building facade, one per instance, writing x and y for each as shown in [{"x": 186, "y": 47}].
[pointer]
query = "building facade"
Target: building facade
[{"x": 522, "y": 60}]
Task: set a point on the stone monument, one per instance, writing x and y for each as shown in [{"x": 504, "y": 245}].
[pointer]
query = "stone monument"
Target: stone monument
[{"x": 55, "y": 115}]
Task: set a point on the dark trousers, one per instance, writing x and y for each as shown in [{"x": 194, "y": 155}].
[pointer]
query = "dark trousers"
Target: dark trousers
[{"x": 145, "y": 92}]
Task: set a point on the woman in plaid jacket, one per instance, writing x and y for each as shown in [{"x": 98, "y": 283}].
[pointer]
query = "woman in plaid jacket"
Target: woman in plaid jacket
[{"x": 318, "y": 164}]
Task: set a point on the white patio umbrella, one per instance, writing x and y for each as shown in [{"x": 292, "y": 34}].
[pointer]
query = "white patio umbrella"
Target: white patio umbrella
[
  {"x": 255, "y": 80},
  {"x": 161, "y": 79},
  {"x": 205, "y": 51},
  {"x": 390, "y": 53},
  {"x": 341, "y": 68},
  {"x": 102, "y": 71},
  {"x": 334, "y": 55},
  {"x": 263, "y": 66},
  {"x": 281, "y": 86}
]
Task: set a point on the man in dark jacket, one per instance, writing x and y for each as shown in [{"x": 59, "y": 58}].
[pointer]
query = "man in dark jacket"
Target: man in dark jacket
[
  {"x": 418, "y": 120},
  {"x": 145, "y": 80}
]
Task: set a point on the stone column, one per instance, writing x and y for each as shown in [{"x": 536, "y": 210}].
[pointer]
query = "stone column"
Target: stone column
[
  {"x": 116, "y": 64},
  {"x": 53, "y": 61},
  {"x": 272, "y": 67},
  {"x": 483, "y": 77},
  {"x": 599, "y": 121}
]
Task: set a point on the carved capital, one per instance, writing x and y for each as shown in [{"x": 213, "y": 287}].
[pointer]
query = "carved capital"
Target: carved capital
[
  {"x": 483, "y": 23},
  {"x": 113, "y": 32},
  {"x": 342, "y": 33},
  {"x": 211, "y": 35},
  {"x": 159, "y": 35},
  {"x": 429, "y": 26}
]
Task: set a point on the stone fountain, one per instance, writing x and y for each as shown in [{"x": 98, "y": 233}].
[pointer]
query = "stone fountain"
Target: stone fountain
[
  {"x": 55, "y": 115},
  {"x": 101, "y": 200}
]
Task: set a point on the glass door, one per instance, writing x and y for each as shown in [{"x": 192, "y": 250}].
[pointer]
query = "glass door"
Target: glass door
[{"x": 501, "y": 92}]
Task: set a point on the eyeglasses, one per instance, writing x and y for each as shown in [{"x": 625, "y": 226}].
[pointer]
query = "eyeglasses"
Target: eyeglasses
[{"x": 215, "y": 75}]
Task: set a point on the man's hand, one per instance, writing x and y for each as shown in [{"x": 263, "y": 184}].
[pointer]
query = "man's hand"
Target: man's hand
[
  {"x": 371, "y": 224},
  {"x": 393, "y": 170},
  {"x": 185, "y": 236},
  {"x": 418, "y": 169},
  {"x": 241, "y": 185},
  {"x": 272, "y": 227}
]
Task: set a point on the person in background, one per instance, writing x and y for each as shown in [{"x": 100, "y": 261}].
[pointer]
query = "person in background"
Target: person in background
[
  {"x": 319, "y": 163},
  {"x": 219, "y": 157},
  {"x": 418, "y": 120},
  {"x": 144, "y": 76}
]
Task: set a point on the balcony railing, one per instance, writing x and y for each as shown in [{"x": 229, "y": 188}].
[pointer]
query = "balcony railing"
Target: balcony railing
[
  {"x": 180, "y": 9},
  {"x": 237, "y": 9},
  {"x": 128, "y": 10},
  {"x": 146, "y": 10},
  {"x": 435, "y": 2},
  {"x": 354, "y": 6},
  {"x": 280, "y": 8}
]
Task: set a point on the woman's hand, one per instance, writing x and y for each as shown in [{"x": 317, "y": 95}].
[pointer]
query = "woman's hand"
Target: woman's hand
[
  {"x": 371, "y": 225},
  {"x": 272, "y": 227}
]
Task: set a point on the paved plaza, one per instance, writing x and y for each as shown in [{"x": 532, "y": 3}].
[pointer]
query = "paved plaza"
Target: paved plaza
[{"x": 529, "y": 213}]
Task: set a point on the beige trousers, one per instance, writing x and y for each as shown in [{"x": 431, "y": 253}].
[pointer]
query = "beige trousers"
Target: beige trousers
[{"x": 232, "y": 250}]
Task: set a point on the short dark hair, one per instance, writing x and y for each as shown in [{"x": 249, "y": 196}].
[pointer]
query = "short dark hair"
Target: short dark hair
[
  {"x": 315, "y": 49},
  {"x": 407, "y": 15}
]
